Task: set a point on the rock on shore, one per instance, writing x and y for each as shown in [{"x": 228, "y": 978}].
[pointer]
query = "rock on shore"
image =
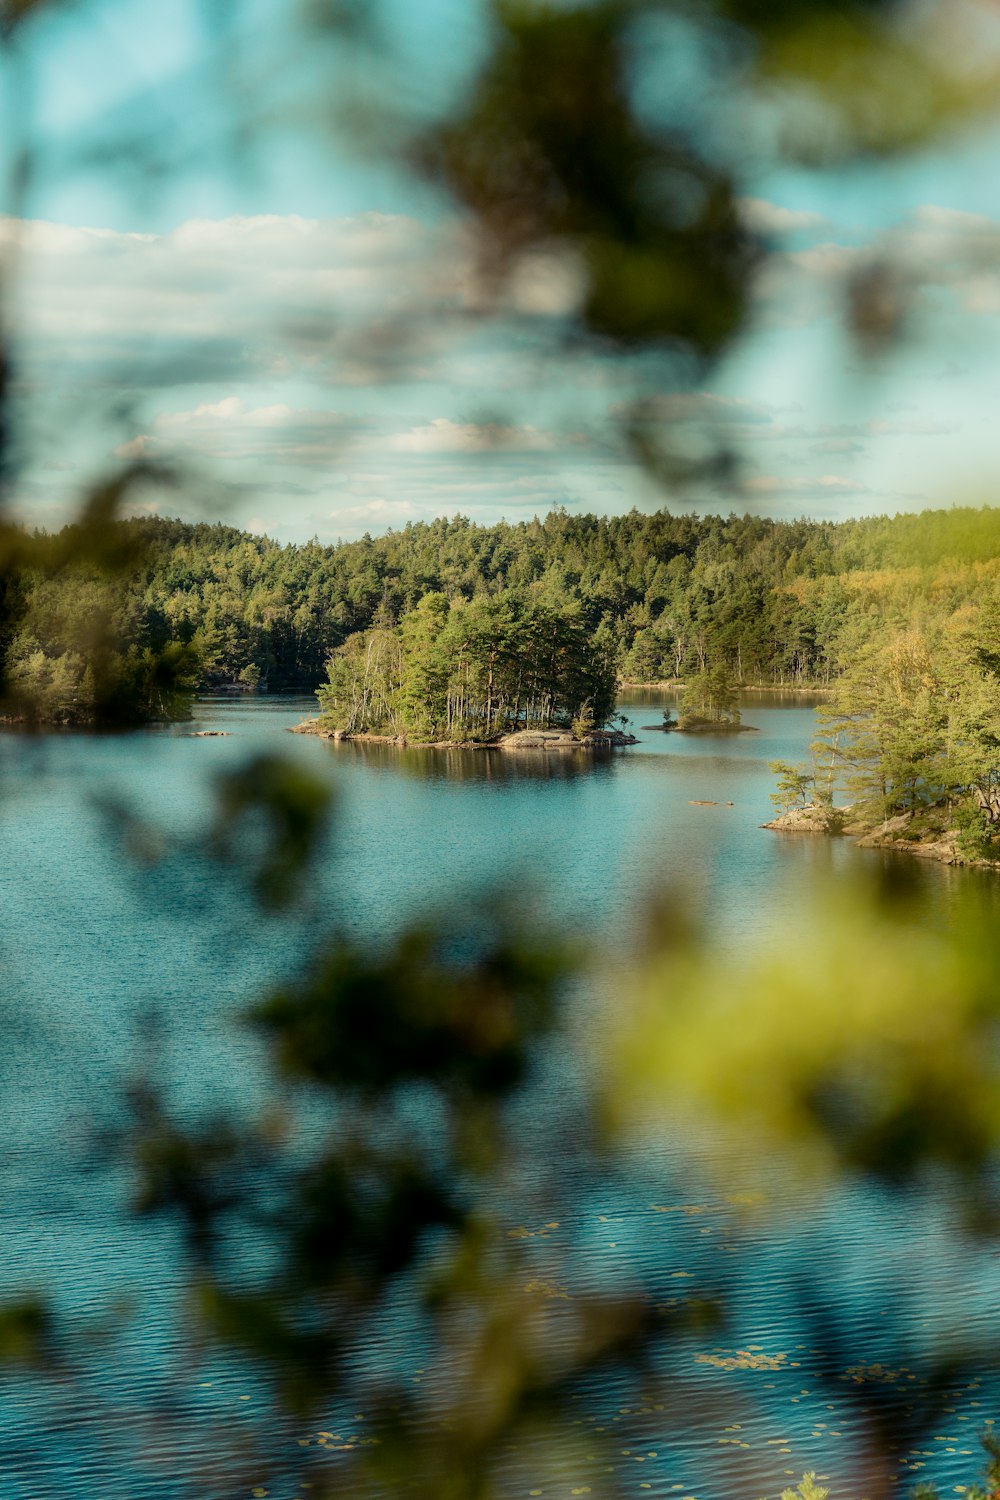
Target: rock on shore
[
  {"x": 564, "y": 739},
  {"x": 811, "y": 819},
  {"x": 897, "y": 833}
]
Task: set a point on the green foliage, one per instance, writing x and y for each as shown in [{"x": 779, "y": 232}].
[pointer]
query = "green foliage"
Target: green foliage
[
  {"x": 710, "y": 697},
  {"x": 269, "y": 819},
  {"x": 862, "y": 1047},
  {"x": 472, "y": 670},
  {"x": 453, "y": 1011},
  {"x": 584, "y": 722},
  {"x": 364, "y": 681},
  {"x": 543, "y": 164},
  {"x": 914, "y": 725},
  {"x": 987, "y": 1491},
  {"x": 794, "y": 786},
  {"x": 79, "y": 646},
  {"x": 26, "y": 1332},
  {"x": 806, "y": 1489},
  {"x": 977, "y": 838}
]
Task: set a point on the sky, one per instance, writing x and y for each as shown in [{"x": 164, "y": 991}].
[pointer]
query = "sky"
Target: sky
[{"x": 306, "y": 333}]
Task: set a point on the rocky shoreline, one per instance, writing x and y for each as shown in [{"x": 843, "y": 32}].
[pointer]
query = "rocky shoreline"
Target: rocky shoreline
[
  {"x": 524, "y": 739},
  {"x": 899, "y": 834}
]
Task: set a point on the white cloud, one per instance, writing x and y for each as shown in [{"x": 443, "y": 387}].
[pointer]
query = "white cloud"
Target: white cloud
[
  {"x": 246, "y": 343},
  {"x": 136, "y": 448},
  {"x": 773, "y": 221},
  {"x": 232, "y": 412},
  {"x": 378, "y": 511},
  {"x": 912, "y": 427},
  {"x": 804, "y": 486},
  {"x": 445, "y": 436},
  {"x": 546, "y": 285},
  {"x": 825, "y": 260},
  {"x": 236, "y": 298},
  {"x": 935, "y": 248},
  {"x": 231, "y": 429},
  {"x": 981, "y": 294}
]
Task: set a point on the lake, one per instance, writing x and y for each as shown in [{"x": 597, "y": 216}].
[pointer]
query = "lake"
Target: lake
[{"x": 110, "y": 965}]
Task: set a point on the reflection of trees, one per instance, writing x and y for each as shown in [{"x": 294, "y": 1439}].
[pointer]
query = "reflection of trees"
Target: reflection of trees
[
  {"x": 410, "y": 1115},
  {"x": 428, "y": 764}
]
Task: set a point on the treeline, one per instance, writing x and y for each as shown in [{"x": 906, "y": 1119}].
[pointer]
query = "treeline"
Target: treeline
[{"x": 769, "y": 602}]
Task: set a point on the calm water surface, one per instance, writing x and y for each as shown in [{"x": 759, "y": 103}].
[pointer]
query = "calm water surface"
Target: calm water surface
[{"x": 108, "y": 963}]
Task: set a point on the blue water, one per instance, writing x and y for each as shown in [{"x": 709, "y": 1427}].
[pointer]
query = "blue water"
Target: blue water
[{"x": 111, "y": 965}]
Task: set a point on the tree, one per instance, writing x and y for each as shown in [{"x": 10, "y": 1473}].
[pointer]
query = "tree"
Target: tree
[
  {"x": 361, "y": 694},
  {"x": 794, "y": 786},
  {"x": 710, "y": 697}
]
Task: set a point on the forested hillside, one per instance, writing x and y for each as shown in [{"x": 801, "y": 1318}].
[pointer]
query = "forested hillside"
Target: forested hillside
[{"x": 664, "y": 596}]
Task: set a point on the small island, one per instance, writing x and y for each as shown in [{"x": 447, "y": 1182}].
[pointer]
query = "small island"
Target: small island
[
  {"x": 709, "y": 705},
  {"x": 521, "y": 739},
  {"x": 509, "y": 672}
]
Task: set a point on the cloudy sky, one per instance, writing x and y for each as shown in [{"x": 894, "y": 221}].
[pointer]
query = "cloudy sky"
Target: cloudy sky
[{"x": 310, "y": 335}]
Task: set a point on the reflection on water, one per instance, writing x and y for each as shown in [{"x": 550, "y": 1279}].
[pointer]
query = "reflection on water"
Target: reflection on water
[{"x": 488, "y": 765}]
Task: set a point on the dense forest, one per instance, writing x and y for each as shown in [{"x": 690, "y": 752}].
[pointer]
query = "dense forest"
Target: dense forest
[{"x": 643, "y": 597}]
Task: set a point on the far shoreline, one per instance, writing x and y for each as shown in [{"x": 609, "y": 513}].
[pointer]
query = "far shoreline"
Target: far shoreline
[{"x": 677, "y": 685}]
